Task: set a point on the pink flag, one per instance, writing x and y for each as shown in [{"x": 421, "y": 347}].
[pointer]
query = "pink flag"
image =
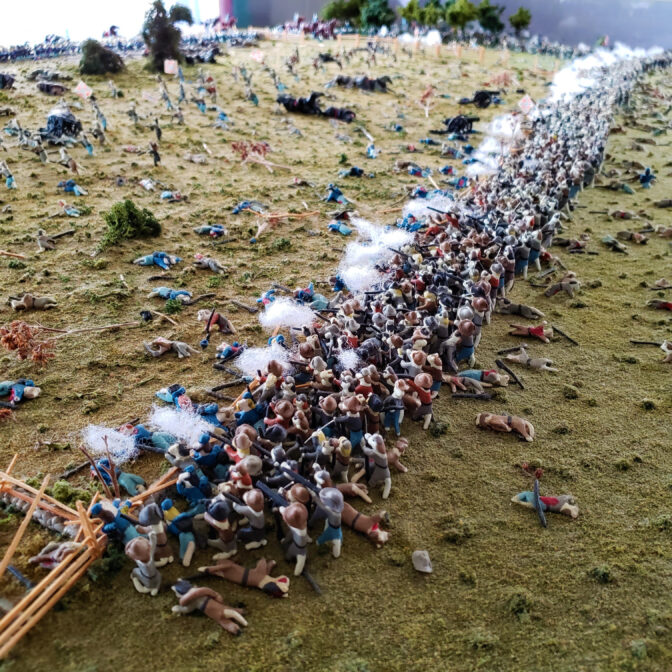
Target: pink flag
[
  {"x": 526, "y": 104},
  {"x": 170, "y": 67},
  {"x": 83, "y": 90}
]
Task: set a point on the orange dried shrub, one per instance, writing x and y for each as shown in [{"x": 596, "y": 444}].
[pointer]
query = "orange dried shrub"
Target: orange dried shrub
[
  {"x": 22, "y": 339},
  {"x": 6, "y": 414},
  {"x": 246, "y": 149}
]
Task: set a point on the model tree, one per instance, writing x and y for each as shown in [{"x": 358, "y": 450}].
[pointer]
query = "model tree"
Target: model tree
[
  {"x": 434, "y": 13},
  {"x": 520, "y": 20},
  {"x": 489, "y": 17},
  {"x": 161, "y": 35},
  {"x": 376, "y": 13},
  {"x": 343, "y": 10},
  {"x": 460, "y": 13},
  {"x": 413, "y": 13}
]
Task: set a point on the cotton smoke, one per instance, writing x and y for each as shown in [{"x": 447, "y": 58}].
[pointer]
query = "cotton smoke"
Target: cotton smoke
[
  {"x": 420, "y": 207},
  {"x": 349, "y": 359},
  {"x": 375, "y": 246},
  {"x": 122, "y": 448},
  {"x": 284, "y": 312},
  {"x": 501, "y": 134},
  {"x": 256, "y": 359},
  {"x": 183, "y": 425}
]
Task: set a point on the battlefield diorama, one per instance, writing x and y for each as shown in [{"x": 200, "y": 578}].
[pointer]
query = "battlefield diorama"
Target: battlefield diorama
[{"x": 335, "y": 342}]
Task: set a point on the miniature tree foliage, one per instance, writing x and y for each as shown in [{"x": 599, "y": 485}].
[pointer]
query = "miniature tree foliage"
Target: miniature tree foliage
[
  {"x": 125, "y": 221},
  {"x": 460, "y": 13},
  {"x": 376, "y": 13},
  {"x": 489, "y": 17},
  {"x": 99, "y": 60},
  {"x": 343, "y": 10},
  {"x": 161, "y": 35},
  {"x": 433, "y": 13},
  {"x": 413, "y": 12},
  {"x": 520, "y": 20}
]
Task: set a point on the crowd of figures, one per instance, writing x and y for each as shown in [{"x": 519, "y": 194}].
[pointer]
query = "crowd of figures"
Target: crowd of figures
[{"x": 321, "y": 422}]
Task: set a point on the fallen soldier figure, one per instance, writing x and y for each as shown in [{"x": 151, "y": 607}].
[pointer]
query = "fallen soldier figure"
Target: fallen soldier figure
[
  {"x": 541, "y": 331},
  {"x": 163, "y": 345},
  {"x": 362, "y": 82},
  {"x": 208, "y": 264},
  {"x": 537, "y": 363},
  {"x": 506, "y": 423},
  {"x": 559, "y": 504},
  {"x": 310, "y": 106},
  {"x": 206, "y": 600},
  {"x": 569, "y": 284},
  {"x": 51, "y": 89},
  {"x": 257, "y": 577},
  {"x": 507, "y": 307},
  {"x": 30, "y": 302}
]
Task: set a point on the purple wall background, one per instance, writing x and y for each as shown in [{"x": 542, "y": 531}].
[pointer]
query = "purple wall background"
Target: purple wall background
[{"x": 637, "y": 23}]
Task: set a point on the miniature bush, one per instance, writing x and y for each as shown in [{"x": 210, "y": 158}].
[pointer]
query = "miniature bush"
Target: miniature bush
[
  {"x": 520, "y": 603},
  {"x": 125, "y": 221},
  {"x": 602, "y": 574},
  {"x": 68, "y": 494},
  {"x": 99, "y": 60},
  {"x": 173, "y": 306}
]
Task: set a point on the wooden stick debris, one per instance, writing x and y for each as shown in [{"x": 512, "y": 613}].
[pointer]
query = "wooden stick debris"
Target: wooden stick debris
[
  {"x": 200, "y": 298},
  {"x": 244, "y": 306},
  {"x": 4, "y": 253},
  {"x": 74, "y": 470},
  {"x": 164, "y": 317},
  {"x": 231, "y": 383}
]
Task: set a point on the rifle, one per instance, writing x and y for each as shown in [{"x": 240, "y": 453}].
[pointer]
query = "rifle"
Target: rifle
[
  {"x": 399, "y": 252},
  {"x": 300, "y": 479},
  {"x": 538, "y": 505},
  {"x": 233, "y": 498},
  {"x": 272, "y": 495},
  {"x": 277, "y": 500},
  {"x": 517, "y": 380}
]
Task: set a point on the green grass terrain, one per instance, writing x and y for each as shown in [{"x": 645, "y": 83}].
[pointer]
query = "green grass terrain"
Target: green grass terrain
[{"x": 591, "y": 594}]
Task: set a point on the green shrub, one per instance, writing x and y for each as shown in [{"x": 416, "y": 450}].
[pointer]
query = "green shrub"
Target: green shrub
[
  {"x": 173, "y": 306},
  {"x": 125, "y": 221},
  {"x": 99, "y": 60}
]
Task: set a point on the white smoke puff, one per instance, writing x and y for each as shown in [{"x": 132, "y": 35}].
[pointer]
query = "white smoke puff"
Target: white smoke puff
[
  {"x": 256, "y": 359},
  {"x": 349, "y": 359},
  {"x": 183, "y": 425},
  {"x": 432, "y": 38},
  {"x": 419, "y": 207},
  {"x": 122, "y": 448},
  {"x": 359, "y": 279},
  {"x": 284, "y": 312},
  {"x": 376, "y": 244},
  {"x": 501, "y": 133},
  {"x": 357, "y": 269}
]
